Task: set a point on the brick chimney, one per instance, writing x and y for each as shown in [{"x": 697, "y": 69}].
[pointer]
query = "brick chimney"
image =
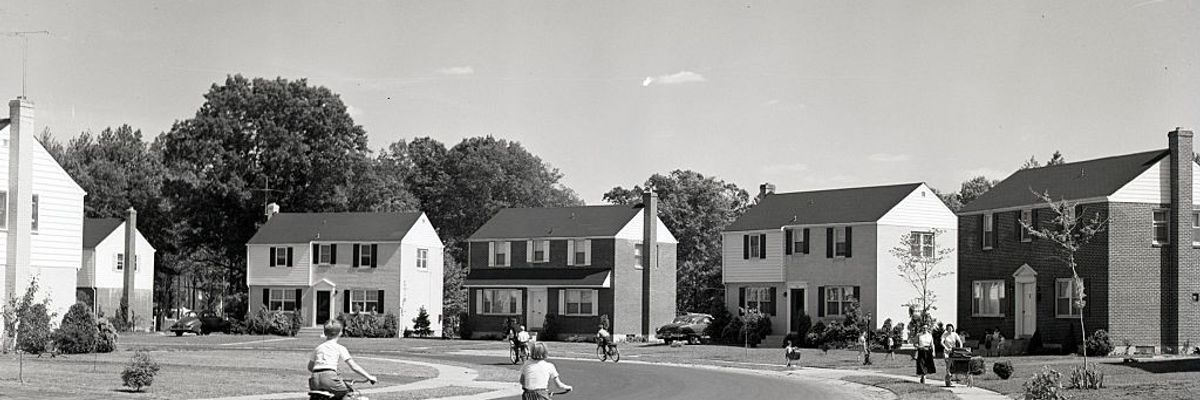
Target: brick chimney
[
  {"x": 649, "y": 253},
  {"x": 131, "y": 263},
  {"x": 765, "y": 189},
  {"x": 20, "y": 196},
  {"x": 271, "y": 210},
  {"x": 1181, "y": 276}
]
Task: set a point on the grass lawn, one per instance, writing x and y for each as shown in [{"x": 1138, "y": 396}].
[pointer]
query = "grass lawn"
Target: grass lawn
[
  {"x": 445, "y": 391},
  {"x": 904, "y": 390}
]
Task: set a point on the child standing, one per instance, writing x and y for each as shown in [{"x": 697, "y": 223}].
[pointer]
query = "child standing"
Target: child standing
[
  {"x": 891, "y": 348},
  {"x": 791, "y": 353}
]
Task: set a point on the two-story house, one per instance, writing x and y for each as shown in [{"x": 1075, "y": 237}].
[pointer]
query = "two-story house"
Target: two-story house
[
  {"x": 578, "y": 263},
  {"x": 324, "y": 264},
  {"x": 814, "y": 253},
  {"x": 1141, "y": 275},
  {"x": 100, "y": 281},
  {"x": 41, "y": 214}
]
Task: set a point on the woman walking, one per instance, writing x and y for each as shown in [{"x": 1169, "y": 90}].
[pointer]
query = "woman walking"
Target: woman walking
[{"x": 925, "y": 365}]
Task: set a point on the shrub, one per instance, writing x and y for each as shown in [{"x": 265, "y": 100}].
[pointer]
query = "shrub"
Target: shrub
[
  {"x": 106, "y": 336},
  {"x": 1003, "y": 369},
  {"x": 715, "y": 330},
  {"x": 1045, "y": 385},
  {"x": 369, "y": 325},
  {"x": 465, "y": 329},
  {"x": 33, "y": 334},
  {"x": 549, "y": 327},
  {"x": 421, "y": 324},
  {"x": 391, "y": 325},
  {"x": 802, "y": 327},
  {"x": 140, "y": 372},
  {"x": 1035, "y": 343},
  {"x": 1071, "y": 343},
  {"x": 1087, "y": 377},
  {"x": 273, "y": 322},
  {"x": 815, "y": 336},
  {"x": 1099, "y": 344},
  {"x": 78, "y": 331}
]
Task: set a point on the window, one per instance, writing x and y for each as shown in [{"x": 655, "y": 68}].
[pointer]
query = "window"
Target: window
[
  {"x": 120, "y": 261},
  {"x": 541, "y": 250},
  {"x": 985, "y": 298},
  {"x": 798, "y": 241},
  {"x": 35, "y": 213},
  {"x": 422, "y": 258},
  {"x": 500, "y": 251},
  {"x": 3, "y": 209},
  {"x": 637, "y": 256},
  {"x": 325, "y": 254},
  {"x": 989, "y": 231},
  {"x": 921, "y": 244},
  {"x": 1160, "y": 226},
  {"x": 1026, "y": 221},
  {"x": 499, "y": 301},
  {"x": 579, "y": 302},
  {"x": 1195, "y": 228},
  {"x": 838, "y": 300},
  {"x": 280, "y": 255},
  {"x": 839, "y": 242},
  {"x": 364, "y": 255},
  {"x": 758, "y": 298},
  {"x": 364, "y": 301},
  {"x": 282, "y": 300},
  {"x": 1065, "y": 296},
  {"x": 579, "y": 251},
  {"x": 754, "y": 247}
]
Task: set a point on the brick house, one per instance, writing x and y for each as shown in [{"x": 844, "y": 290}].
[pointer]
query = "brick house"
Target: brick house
[
  {"x": 813, "y": 253},
  {"x": 1141, "y": 277},
  {"x": 323, "y": 264},
  {"x": 578, "y": 263}
]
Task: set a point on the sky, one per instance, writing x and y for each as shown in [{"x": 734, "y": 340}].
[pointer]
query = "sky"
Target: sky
[{"x": 802, "y": 94}]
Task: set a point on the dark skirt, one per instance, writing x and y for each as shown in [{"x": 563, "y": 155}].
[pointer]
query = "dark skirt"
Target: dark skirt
[
  {"x": 925, "y": 365},
  {"x": 536, "y": 394}
]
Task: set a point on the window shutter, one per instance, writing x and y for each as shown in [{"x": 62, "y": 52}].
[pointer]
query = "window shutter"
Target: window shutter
[
  {"x": 1004, "y": 300},
  {"x": 478, "y": 301},
  {"x": 333, "y": 253},
  {"x": 299, "y": 295},
  {"x": 595, "y": 302},
  {"x": 1017, "y": 220},
  {"x": 828, "y": 242},
  {"x": 587, "y": 252},
  {"x": 981, "y": 230},
  {"x": 271, "y": 254},
  {"x": 491, "y": 255},
  {"x": 849, "y": 240},
  {"x": 529, "y": 251},
  {"x": 741, "y": 299},
  {"x": 745, "y": 247},
  {"x": 805, "y": 240},
  {"x": 562, "y": 302},
  {"x": 381, "y": 303},
  {"x": 357, "y": 253},
  {"x": 771, "y": 293},
  {"x": 820, "y": 301},
  {"x": 316, "y": 253},
  {"x": 346, "y": 301},
  {"x": 996, "y": 230},
  {"x": 1033, "y": 215},
  {"x": 289, "y": 256},
  {"x": 267, "y": 299},
  {"x": 570, "y": 252},
  {"x": 858, "y": 295},
  {"x": 762, "y": 246},
  {"x": 787, "y": 241},
  {"x": 374, "y": 255}
]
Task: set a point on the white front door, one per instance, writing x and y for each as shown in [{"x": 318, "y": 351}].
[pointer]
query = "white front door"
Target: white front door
[
  {"x": 1027, "y": 307},
  {"x": 537, "y": 308}
]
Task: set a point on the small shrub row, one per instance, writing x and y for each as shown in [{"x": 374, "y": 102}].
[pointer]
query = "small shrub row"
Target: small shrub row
[
  {"x": 369, "y": 325},
  {"x": 271, "y": 322}
]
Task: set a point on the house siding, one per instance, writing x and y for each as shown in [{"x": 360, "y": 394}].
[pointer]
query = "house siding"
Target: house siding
[
  {"x": 742, "y": 270},
  {"x": 816, "y": 270}
]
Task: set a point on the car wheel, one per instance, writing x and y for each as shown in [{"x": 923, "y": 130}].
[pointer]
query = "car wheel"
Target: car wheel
[
  {"x": 178, "y": 333},
  {"x": 668, "y": 341},
  {"x": 693, "y": 340}
]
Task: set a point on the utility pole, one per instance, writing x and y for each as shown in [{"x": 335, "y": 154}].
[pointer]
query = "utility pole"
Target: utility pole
[{"x": 24, "y": 35}]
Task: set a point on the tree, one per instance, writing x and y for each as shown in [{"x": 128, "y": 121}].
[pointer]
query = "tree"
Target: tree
[
  {"x": 1068, "y": 232},
  {"x": 78, "y": 331},
  {"x": 1055, "y": 159},
  {"x": 16, "y": 310},
  {"x": 920, "y": 257},
  {"x": 975, "y": 187},
  {"x": 421, "y": 324},
  {"x": 695, "y": 208}
]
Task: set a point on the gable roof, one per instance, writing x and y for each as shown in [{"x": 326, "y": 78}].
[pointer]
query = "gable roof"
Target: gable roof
[
  {"x": 583, "y": 221},
  {"x": 344, "y": 226},
  {"x": 848, "y": 205},
  {"x": 95, "y": 230},
  {"x": 1071, "y": 181}
]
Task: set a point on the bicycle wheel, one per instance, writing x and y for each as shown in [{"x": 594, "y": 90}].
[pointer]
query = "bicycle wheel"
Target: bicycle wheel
[
  {"x": 600, "y": 353},
  {"x": 616, "y": 354},
  {"x": 514, "y": 356}
]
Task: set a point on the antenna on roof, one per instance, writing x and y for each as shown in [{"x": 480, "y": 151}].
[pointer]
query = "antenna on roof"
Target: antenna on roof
[{"x": 24, "y": 35}]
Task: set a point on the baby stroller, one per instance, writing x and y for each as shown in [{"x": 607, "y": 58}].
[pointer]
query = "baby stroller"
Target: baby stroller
[{"x": 961, "y": 365}]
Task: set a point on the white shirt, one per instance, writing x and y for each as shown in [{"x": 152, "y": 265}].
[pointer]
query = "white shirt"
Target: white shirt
[
  {"x": 329, "y": 355},
  {"x": 603, "y": 333},
  {"x": 537, "y": 375},
  {"x": 522, "y": 336},
  {"x": 951, "y": 341},
  {"x": 925, "y": 340}
]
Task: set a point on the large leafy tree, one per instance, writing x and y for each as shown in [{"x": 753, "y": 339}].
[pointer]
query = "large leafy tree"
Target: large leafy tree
[{"x": 695, "y": 208}]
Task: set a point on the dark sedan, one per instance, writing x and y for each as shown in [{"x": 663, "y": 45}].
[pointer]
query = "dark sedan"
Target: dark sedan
[
  {"x": 204, "y": 323},
  {"x": 689, "y": 327}
]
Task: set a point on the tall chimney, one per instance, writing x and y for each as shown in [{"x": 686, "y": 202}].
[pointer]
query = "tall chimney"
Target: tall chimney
[
  {"x": 271, "y": 210},
  {"x": 765, "y": 189},
  {"x": 1182, "y": 264},
  {"x": 20, "y": 196},
  {"x": 131, "y": 262},
  {"x": 649, "y": 252}
]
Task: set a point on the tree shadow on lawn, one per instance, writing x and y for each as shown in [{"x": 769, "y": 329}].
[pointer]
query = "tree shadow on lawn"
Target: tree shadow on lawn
[{"x": 1165, "y": 367}]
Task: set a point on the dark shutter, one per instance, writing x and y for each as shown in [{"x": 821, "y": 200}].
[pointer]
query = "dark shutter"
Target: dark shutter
[
  {"x": 805, "y": 240},
  {"x": 267, "y": 299},
  {"x": 346, "y": 301},
  {"x": 980, "y": 230},
  {"x": 762, "y": 246},
  {"x": 374, "y": 255},
  {"x": 1004, "y": 301},
  {"x": 354, "y": 261},
  {"x": 1033, "y": 215},
  {"x": 858, "y": 295},
  {"x": 741, "y": 299},
  {"x": 745, "y": 247},
  {"x": 772, "y": 304},
  {"x": 289, "y": 256},
  {"x": 333, "y": 253},
  {"x": 848, "y": 241},
  {"x": 1017, "y": 220},
  {"x": 381, "y": 303},
  {"x": 271, "y": 253},
  {"x": 820, "y": 301},
  {"x": 996, "y": 230},
  {"x": 316, "y": 254},
  {"x": 787, "y": 241},
  {"x": 299, "y": 294},
  {"x": 828, "y": 242}
]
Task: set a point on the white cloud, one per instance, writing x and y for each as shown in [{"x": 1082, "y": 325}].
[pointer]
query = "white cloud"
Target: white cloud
[
  {"x": 784, "y": 168},
  {"x": 464, "y": 70},
  {"x": 674, "y": 79},
  {"x": 889, "y": 158}
]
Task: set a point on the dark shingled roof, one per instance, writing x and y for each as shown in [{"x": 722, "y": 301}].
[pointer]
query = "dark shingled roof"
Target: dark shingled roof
[
  {"x": 567, "y": 276},
  {"x": 348, "y": 226},
  {"x": 95, "y": 230},
  {"x": 1071, "y": 181},
  {"x": 863, "y": 204},
  {"x": 584, "y": 221}
]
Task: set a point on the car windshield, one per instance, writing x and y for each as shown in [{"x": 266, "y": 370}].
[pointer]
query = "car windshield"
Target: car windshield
[{"x": 689, "y": 319}]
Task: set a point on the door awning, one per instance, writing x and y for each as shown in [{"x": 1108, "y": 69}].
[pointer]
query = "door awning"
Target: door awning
[{"x": 526, "y": 277}]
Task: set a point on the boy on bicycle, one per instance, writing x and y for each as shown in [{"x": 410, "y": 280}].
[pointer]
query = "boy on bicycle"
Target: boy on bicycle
[
  {"x": 325, "y": 361},
  {"x": 603, "y": 338},
  {"x": 521, "y": 340}
]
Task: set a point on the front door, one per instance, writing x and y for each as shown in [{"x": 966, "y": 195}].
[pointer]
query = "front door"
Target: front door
[
  {"x": 323, "y": 307},
  {"x": 1027, "y": 320},
  {"x": 797, "y": 300},
  {"x": 537, "y": 308}
]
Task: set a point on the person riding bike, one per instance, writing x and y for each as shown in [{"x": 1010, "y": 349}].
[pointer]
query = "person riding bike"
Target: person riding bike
[
  {"x": 603, "y": 338},
  {"x": 537, "y": 375},
  {"x": 521, "y": 341},
  {"x": 325, "y": 361}
]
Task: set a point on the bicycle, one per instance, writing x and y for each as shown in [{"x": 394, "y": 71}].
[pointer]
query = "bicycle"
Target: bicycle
[
  {"x": 353, "y": 393},
  {"x": 516, "y": 353},
  {"x": 562, "y": 392},
  {"x": 610, "y": 353}
]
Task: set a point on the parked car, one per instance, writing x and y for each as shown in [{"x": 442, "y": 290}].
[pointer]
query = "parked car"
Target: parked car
[
  {"x": 689, "y": 327},
  {"x": 204, "y": 323}
]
